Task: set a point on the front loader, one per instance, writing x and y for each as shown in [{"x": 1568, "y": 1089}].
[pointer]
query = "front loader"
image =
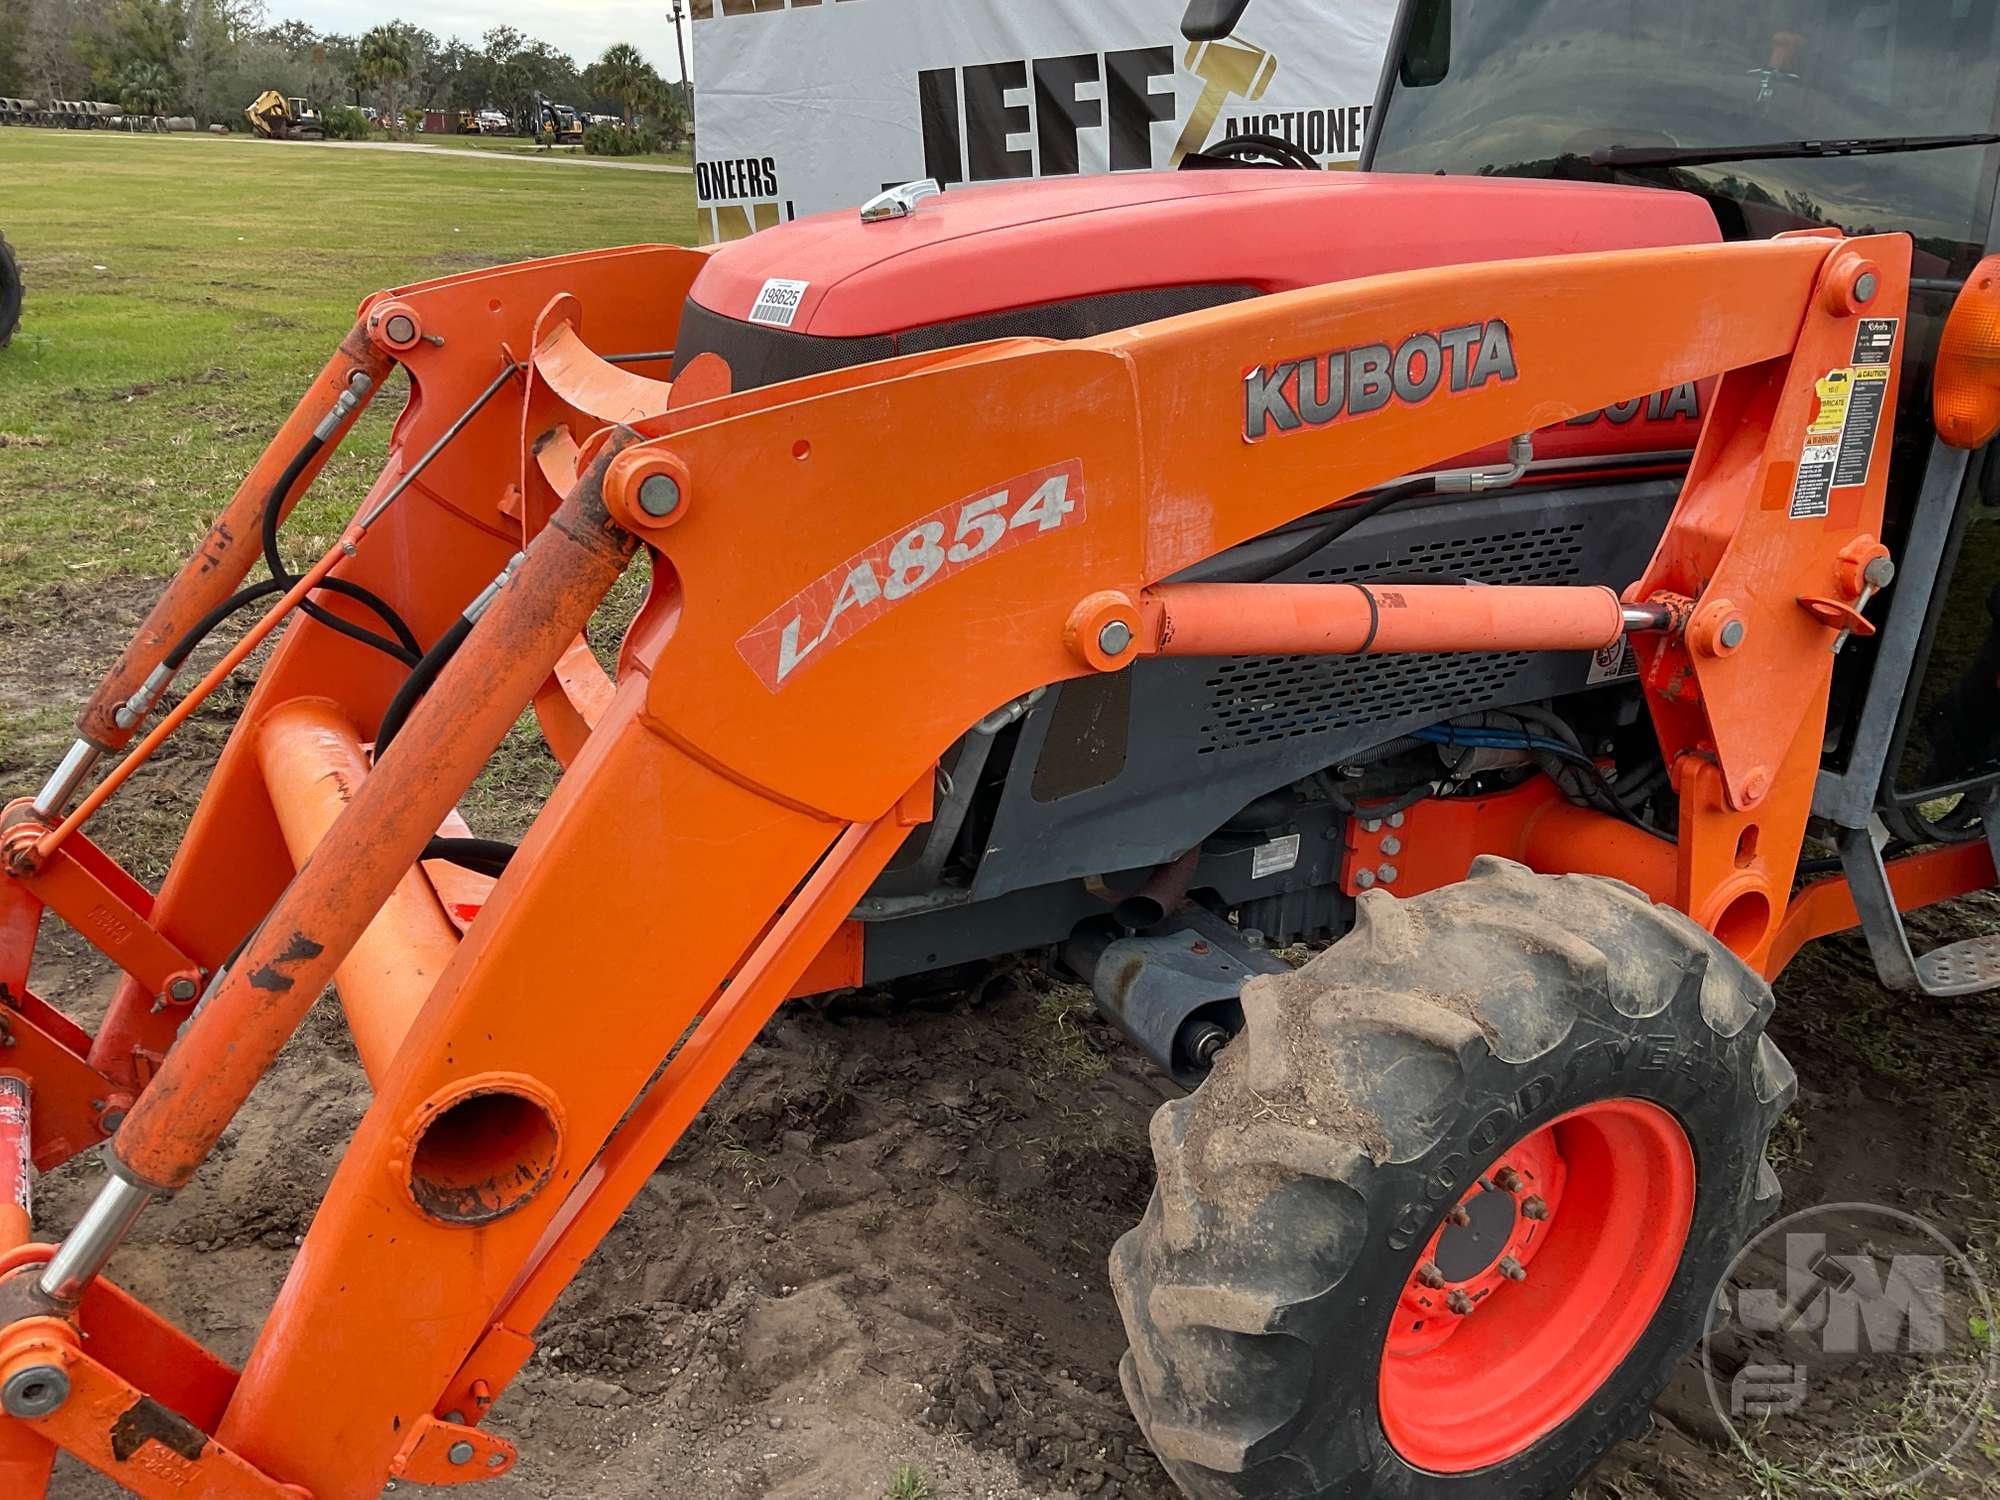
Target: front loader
[{"x": 1153, "y": 571}]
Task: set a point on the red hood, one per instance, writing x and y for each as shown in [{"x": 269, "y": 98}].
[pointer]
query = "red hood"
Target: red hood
[{"x": 988, "y": 249}]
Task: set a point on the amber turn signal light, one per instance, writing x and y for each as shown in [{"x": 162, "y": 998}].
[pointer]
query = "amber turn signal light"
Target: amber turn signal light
[{"x": 1965, "y": 391}]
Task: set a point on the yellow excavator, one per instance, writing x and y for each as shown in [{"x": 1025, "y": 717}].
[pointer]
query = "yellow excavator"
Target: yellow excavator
[{"x": 278, "y": 118}]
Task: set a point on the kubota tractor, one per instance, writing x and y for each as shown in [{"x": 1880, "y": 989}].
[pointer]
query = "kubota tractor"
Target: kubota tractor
[{"x": 1504, "y": 576}]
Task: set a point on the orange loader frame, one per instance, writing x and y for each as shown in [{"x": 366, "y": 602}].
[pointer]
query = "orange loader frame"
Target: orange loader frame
[{"x": 848, "y": 571}]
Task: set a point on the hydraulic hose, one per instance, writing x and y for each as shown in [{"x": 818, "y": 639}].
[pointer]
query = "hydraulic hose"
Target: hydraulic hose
[
  {"x": 405, "y": 648},
  {"x": 422, "y": 675},
  {"x": 1330, "y": 531},
  {"x": 434, "y": 661}
]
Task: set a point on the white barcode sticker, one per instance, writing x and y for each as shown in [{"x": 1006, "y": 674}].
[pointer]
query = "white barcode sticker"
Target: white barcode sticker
[{"x": 778, "y": 303}]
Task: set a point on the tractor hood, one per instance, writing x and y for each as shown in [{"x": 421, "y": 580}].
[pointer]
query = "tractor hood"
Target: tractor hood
[{"x": 1081, "y": 256}]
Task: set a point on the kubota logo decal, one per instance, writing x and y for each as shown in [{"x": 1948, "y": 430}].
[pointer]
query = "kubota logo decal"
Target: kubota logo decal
[
  {"x": 947, "y": 541},
  {"x": 1324, "y": 388}
]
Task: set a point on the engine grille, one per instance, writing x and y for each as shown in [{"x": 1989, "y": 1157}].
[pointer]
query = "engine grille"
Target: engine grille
[
  {"x": 1260, "y": 700},
  {"x": 1528, "y": 554}
]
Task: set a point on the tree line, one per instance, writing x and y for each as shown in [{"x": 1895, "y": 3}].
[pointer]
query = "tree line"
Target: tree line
[{"x": 211, "y": 58}]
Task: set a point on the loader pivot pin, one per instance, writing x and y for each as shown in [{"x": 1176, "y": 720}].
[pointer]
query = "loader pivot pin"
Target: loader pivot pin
[
  {"x": 34, "y": 1392},
  {"x": 660, "y": 495}
]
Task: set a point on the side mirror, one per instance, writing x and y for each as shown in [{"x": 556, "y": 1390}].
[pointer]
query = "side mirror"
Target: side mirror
[{"x": 1212, "y": 20}]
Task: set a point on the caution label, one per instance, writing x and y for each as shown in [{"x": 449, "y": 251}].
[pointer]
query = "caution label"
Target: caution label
[
  {"x": 1868, "y": 393},
  {"x": 1840, "y": 442}
]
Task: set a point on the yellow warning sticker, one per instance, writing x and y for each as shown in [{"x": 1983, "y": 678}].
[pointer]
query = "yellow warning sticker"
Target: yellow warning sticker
[{"x": 1833, "y": 389}]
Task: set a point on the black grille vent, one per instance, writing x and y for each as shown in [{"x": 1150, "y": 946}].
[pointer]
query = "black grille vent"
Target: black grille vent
[
  {"x": 1532, "y": 554},
  {"x": 1260, "y": 700}
]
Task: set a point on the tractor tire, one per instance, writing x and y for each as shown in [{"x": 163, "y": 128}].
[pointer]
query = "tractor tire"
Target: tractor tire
[
  {"x": 1451, "y": 1208},
  {"x": 11, "y": 292}
]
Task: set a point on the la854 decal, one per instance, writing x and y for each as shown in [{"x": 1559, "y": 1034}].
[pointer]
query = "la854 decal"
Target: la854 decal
[{"x": 868, "y": 585}]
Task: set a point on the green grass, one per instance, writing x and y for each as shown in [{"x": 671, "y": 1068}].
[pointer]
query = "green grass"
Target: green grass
[
  {"x": 521, "y": 146},
  {"x": 183, "y": 291},
  {"x": 910, "y": 1483}
]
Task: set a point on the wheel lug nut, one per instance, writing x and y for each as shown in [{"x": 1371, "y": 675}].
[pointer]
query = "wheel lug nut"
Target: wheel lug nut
[
  {"x": 1460, "y": 1216},
  {"x": 1459, "y": 1303},
  {"x": 1534, "y": 1208},
  {"x": 1512, "y": 1269},
  {"x": 1429, "y": 1275},
  {"x": 1507, "y": 1180}
]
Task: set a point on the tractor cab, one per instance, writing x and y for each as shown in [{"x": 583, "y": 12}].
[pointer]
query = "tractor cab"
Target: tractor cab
[{"x": 1787, "y": 116}]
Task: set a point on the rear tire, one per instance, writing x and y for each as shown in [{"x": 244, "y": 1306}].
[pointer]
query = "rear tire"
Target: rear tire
[
  {"x": 11, "y": 292},
  {"x": 1272, "y": 1293}
]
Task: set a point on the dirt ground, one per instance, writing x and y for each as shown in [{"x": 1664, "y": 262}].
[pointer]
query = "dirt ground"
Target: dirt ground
[{"x": 876, "y": 1267}]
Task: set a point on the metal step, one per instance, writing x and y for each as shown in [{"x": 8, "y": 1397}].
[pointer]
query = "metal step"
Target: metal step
[{"x": 1969, "y": 967}]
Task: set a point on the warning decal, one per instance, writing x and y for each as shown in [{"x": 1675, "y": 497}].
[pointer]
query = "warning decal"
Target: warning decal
[
  {"x": 1833, "y": 391},
  {"x": 1840, "y": 444},
  {"x": 1609, "y": 663},
  {"x": 1815, "y": 483},
  {"x": 1864, "y": 417},
  {"x": 1868, "y": 391}
]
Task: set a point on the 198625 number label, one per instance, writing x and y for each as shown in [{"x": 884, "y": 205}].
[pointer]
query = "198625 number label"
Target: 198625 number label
[{"x": 947, "y": 541}]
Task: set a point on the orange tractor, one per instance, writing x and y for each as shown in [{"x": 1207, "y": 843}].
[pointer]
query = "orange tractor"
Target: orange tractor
[{"x": 1504, "y": 576}]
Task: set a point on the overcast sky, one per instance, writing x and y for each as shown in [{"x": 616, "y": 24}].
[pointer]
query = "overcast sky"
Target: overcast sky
[{"x": 582, "y": 28}]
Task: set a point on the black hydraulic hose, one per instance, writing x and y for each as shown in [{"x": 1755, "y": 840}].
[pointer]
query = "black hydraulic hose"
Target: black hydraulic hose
[
  {"x": 1335, "y": 527},
  {"x": 486, "y": 856},
  {"x": 405, "y": 648},
  {"x": 243, "y": 598},
  {"x": 422, "y": 675}
]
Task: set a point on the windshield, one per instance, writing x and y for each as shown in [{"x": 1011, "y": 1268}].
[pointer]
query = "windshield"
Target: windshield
[{"x": 1532, "y": 87}]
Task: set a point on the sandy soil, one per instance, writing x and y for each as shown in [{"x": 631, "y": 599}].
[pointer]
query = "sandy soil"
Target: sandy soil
[{"x": 883, "y": 1247}]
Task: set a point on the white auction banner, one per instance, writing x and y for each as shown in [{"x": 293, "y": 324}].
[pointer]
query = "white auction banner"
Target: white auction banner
[{"x": 806, "y": 105}]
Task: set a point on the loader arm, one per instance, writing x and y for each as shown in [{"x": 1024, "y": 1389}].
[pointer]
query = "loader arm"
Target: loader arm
[{"x": 847, "y": 572}]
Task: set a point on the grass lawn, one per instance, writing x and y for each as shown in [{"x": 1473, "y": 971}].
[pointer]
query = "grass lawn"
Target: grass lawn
[
  {"x": 522, "y": 146},
  {"x": 183, "y": 291}
]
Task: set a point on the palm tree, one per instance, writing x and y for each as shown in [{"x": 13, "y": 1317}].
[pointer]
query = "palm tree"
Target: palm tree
[
  {"x": 148, "y": 89},
  {"x": 625, "y": 76},
  {"x": 385, "y": 61}
]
